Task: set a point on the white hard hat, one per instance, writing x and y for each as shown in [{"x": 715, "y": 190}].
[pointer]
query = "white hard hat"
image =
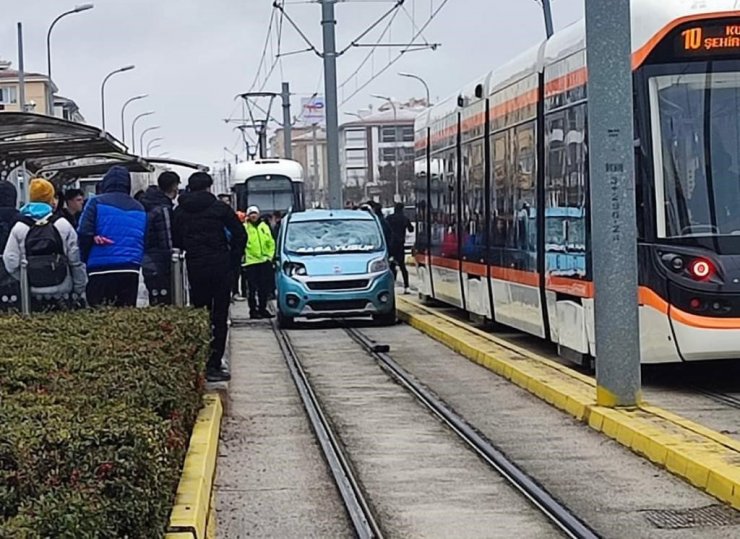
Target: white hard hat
[{"x": 252, "y": 209}]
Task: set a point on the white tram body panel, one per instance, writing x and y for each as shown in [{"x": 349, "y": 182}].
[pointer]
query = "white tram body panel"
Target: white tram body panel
[{"x": 546, "y": 290}]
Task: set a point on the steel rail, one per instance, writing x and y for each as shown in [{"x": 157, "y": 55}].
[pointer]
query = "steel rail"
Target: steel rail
[
  {"x": 556, "y": 512},
  {"x": 717, "y": 396},
  {"x": 354, "y": 500}
]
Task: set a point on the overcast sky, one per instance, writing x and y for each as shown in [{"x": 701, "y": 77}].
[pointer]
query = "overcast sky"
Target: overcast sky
[{"x": 193, "y": 56}]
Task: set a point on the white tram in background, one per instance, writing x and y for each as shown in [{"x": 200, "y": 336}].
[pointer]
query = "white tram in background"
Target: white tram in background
[
  {"x": 503, "y": 195},
  {"x": 270, "y": 184}
]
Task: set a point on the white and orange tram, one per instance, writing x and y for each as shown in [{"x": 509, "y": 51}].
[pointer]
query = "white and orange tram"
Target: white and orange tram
[{"x": 503, "y": 195}]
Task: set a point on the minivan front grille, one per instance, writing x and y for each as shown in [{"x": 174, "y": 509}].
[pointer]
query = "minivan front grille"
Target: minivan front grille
[
  {"x": 355, "y": 284},
  {"x": 338, "y": 305}
]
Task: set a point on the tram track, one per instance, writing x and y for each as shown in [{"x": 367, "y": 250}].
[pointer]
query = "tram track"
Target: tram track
[
  {"x": 358, "y": 509},
  {"x": 733, "y": 401},
  {"x": 555, "y": 512},
  {"x": 357, "y": 504}
]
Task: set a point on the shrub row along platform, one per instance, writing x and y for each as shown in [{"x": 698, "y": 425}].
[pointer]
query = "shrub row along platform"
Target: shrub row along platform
[{"x": 96, "y": 410}]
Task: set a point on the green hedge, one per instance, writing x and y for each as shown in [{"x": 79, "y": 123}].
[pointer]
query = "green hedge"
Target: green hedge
[{"x": 96, "y": 408}]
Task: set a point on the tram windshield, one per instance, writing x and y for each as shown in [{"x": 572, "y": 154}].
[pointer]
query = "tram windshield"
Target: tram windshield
[
  {"x": 269, "y": 192},
  {"x": 696, "y": 136}
]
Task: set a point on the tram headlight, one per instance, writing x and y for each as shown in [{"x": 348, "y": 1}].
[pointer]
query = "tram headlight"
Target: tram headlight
[{"x": 701, "y": 269}]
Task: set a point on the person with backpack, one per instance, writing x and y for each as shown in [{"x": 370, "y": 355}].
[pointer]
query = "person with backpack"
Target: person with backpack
[
  {"x": 111, "y": 233},
  {"x": 157, "y": 202},
  {"x": 10, "y": 291},
  {"x": 48, "y": 242}
]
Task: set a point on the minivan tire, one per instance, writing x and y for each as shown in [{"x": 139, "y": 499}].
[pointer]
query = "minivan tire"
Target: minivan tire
[
  {"x": 285, "y": 322},
  {"x": 388, "y": 319}
]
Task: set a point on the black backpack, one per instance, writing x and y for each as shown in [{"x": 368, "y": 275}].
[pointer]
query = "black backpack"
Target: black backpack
[{"x": 47, "y": 263}]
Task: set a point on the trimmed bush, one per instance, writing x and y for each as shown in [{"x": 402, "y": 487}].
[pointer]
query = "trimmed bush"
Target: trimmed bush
[{"x": 96, "y": 409}]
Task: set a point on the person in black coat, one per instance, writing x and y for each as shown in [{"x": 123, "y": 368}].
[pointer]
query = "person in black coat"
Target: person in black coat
[
  {"x": 214, "y": 240},
  {"x": 399, "y": 225},
  {"x": 9, "y": 215},
  {"x": 157, "y": 201}
]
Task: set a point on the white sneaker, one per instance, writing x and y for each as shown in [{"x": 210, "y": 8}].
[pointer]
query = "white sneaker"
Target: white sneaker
[{"x": 406, "y": 291}]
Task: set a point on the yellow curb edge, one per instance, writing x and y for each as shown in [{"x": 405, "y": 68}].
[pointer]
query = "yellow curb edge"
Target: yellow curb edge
[
  {"x": 705, "y": 458},
  {"x": 192, "y": 515}
]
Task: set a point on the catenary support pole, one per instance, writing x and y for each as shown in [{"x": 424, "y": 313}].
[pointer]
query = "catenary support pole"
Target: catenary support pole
[
  {"x": 287, "y": 125},
  {"x": 21, "y": 71},
  {"x": 613, "y": 221},
  {"x": 317, "y": 187},
  {"x": 328, "y": 24},
  {"x": 549, "y": 29}
]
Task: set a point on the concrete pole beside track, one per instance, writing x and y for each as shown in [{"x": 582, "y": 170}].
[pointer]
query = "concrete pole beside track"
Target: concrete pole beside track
[
  {"x": 613, "y": 216},
  {"x": 329, "y": 23}
]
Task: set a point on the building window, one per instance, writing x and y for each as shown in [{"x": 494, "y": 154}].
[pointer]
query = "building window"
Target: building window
[
  {"x": 356, "y": 177},
  {"x": 355, "y": 137},
  {"x": 388, "y": 134},
  {"x": 407, "y": 154},
  {"x": 9, "y": 95},
  {"x": 355, "y": 157},
  {"x": 388, "y": 154},
  {"x": 407, "y": 134}
]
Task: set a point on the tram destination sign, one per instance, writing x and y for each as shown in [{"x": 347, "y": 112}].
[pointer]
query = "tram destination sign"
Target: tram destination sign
[{"x": 713, "y": 38}]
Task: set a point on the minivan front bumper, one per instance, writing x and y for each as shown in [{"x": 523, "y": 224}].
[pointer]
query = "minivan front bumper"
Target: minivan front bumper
[{"x": 333, "y": 297}]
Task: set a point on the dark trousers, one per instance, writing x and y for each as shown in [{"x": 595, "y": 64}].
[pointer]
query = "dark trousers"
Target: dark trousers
[
  {"x": 160, "y": 289},
  {"x": 113, "y": 289},
  {"x": 399, "y": 262},
  {"x": 213, "y": 291},
  {"x": 259, "y": 277}
]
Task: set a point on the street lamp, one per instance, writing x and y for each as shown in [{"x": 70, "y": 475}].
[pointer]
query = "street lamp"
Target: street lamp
[
  {"x": 123, "y": 112},
  {"x": 102, "y": 89},
  {"x": 133, "y": 129},
  {"x": 141, "y": 137},
  {"x": 395, "y": 153},
  {"x": 426, "y": 86},
  {"x": 152, "y": 145},
  {"x": 77, "y": 9}
]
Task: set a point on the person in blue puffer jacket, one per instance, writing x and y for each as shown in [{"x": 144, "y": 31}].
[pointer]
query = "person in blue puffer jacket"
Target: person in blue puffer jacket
[{"x": 111, "y": 236}]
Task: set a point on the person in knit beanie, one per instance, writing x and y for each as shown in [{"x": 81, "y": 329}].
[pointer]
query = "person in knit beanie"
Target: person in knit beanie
[
  {"x": 53, "y": 286},
  {"x": 41, "y": 190}
]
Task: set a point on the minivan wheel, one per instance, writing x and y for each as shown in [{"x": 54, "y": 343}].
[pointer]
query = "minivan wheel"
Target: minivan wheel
[
  {"x": 285, "y": 322},
  {"x": 387, "y": 319}
]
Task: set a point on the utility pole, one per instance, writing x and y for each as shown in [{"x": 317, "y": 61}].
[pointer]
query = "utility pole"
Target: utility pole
[
  {"x": 287, "y": 127},
  {"x": 549, "y": 29},
  {"x": 317, "y": 178},
  {"x": 21, "y": 70},
  {"x": 613, "y": 216},
  {"x": 328, "y": 24}
]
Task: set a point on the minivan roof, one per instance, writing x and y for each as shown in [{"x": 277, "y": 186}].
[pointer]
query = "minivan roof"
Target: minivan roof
[{"x": 325, "y": 215}]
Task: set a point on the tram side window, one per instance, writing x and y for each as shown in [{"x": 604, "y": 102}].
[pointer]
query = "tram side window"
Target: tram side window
[
  {"x": 566, "y": 192},
  {"x": 525, "y": 196},
  {"x": 501, "y": 214},
  {"x": 450, "y": 237},
  {"x": 473, "y": 200},
  {"x": 420, "y": 187}
]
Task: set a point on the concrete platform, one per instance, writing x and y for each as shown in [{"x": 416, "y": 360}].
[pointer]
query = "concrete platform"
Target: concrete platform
[{"x": 705, "y": 458}]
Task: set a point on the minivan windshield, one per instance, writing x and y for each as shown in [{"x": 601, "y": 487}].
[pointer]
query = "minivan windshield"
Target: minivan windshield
[{"x": 333, "y": 236}]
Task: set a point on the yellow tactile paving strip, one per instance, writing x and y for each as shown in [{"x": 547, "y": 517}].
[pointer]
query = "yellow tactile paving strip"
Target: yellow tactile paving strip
[
  {"x": 192, "y": 515},
  {"x": 705, "y": 458}
]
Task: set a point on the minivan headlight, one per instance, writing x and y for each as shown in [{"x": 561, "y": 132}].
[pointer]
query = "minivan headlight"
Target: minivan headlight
[
  {"x": 378, "y": 265},
  {"x": 293, "y": 269}
]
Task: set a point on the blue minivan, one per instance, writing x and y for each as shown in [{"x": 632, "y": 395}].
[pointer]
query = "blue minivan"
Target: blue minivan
[{"x": 333, "y": 264}]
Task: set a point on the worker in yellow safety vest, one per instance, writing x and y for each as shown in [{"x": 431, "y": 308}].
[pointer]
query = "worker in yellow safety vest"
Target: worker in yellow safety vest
[{"x": 258, "y": 257}]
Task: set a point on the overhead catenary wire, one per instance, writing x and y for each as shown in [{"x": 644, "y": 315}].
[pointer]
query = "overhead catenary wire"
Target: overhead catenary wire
[{"x": 410, "y": 47}]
